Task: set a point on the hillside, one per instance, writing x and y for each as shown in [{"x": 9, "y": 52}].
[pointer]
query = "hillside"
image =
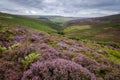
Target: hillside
[
  {"x": 28, "y": 22},
  {"x": 27, "y": 54},
  {"x": 104, "y": 29},
  {"x": 95, "y": 21},
  {"x": 60, "y": 20}
]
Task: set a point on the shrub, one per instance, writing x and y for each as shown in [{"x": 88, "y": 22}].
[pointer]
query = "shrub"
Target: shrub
[
  {"x": 47, "y": 51},
  {"x": 30, "y": 59},
  {"x": 36, "y": 37},
  {"x": 69, "y": 55},
  {"x": 85, "y": 61},
  {"x": 21, "y": 38},
  {"x": 113, "y": 76},
  {"x": 9, "y": 70},
  {"x": 113, "y": 44},
  {"x": 61, "y": 33},
  {"x": 93, "y": 66},
  {"x": 63, "y": 46},
  {"x": 16, "y": 51},
  {"x": 57, "y": 69}
]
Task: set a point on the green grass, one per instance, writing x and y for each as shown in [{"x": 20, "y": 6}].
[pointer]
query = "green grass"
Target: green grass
[
  {"x": 35, "y": 24},
  {"x": 113, "y": 55},
  {"x": 76, "y": 28},
  {"x": 60, "y": 20},
  {"x": 106, "y": 33}
]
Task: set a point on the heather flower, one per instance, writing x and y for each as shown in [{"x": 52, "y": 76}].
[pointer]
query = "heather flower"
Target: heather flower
[
  {"x": 11, "y": 75},
  {"x": 63, "y": 46},
  {"x": 69, "y": 55},
  {"x": 90, "y": 64},
  {"x": 9, "y": 70},
  {"x": 80, "y": 48},
  {"x": 20, "y": 30},
  {"x": 36, "y": 37},
  {"x": 21, "y": 38},
  {"x": 18, "y": 52},
  {"x": 114, "y": 75},
  {"x": 58, "y": 69},
  {"x": 85, "y": 61},
  {"x": 94, "y": 67},
  {"x": 47, "y": 52}
]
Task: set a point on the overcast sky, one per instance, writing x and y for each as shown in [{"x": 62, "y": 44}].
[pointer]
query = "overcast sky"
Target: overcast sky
[{"x": 76, "y": 8}]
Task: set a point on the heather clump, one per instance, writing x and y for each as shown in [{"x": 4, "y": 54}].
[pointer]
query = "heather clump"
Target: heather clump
[
  {"x": 93, "y": 66},
  {"x": 69, "y": 55},
  {"x": 17, "y": 51},
  {"x": 9, "y": 70},
  {"x": 58, "y": 69},
  {"x": 114, "y": 75},
  {"x": 85, "y": 61},
  {"x": 37, "y": 37},
  {"x": 49, "y": 53}
]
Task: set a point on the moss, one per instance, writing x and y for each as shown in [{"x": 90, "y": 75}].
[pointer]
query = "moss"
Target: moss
[
  {"x": 54, "y": 45},
  {"x": 113, "y": 55},
  {"x": 51, "y": 43},
  {"x": 88, "y": 55}
]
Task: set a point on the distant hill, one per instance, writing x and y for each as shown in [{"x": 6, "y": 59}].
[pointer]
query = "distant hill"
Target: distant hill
[
  {"x": 41, "y": 25},
  {"x": 98, "y": 29},
  {"x": 95, "y": 21},
  {"x": 55, "y": 19},
  {"x": 104, "y": 29}
]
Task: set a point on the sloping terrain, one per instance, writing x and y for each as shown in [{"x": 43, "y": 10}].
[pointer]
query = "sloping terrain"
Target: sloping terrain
[
  {"x": 27, "y": 54},
  {"x": 105, "y": 29},
  {"x": 95, "y": 21},
  {"x": 27, "y": 22},
  {"x": 60, "y": 20}
]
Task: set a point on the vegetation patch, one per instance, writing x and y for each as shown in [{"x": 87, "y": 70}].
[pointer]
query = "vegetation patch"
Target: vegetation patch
[{"x": 30, "y": 59}]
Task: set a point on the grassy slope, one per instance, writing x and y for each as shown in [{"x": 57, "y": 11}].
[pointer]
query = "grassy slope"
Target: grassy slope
[
  {"x": 101, "y": 33},
  {"x": 60, "y": 20},
  {"x": 107, "y": 32},
  {"x": 36, "y": 24}
]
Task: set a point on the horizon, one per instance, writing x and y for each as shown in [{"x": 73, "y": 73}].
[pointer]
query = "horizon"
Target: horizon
[
  {"x": 57, "y": 15},
  {"x": 66, "y": 8}
]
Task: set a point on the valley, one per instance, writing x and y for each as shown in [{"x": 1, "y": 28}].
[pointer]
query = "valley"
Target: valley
[{"x": 79, "y": 49}]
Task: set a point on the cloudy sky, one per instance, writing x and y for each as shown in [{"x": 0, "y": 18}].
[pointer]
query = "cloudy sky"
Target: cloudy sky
[{"x": 76, "y": 8}]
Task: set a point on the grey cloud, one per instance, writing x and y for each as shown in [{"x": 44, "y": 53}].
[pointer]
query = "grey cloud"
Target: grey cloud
[
  {"x": 81, "y": 8},
  {"x": 30, "y": 3}
]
